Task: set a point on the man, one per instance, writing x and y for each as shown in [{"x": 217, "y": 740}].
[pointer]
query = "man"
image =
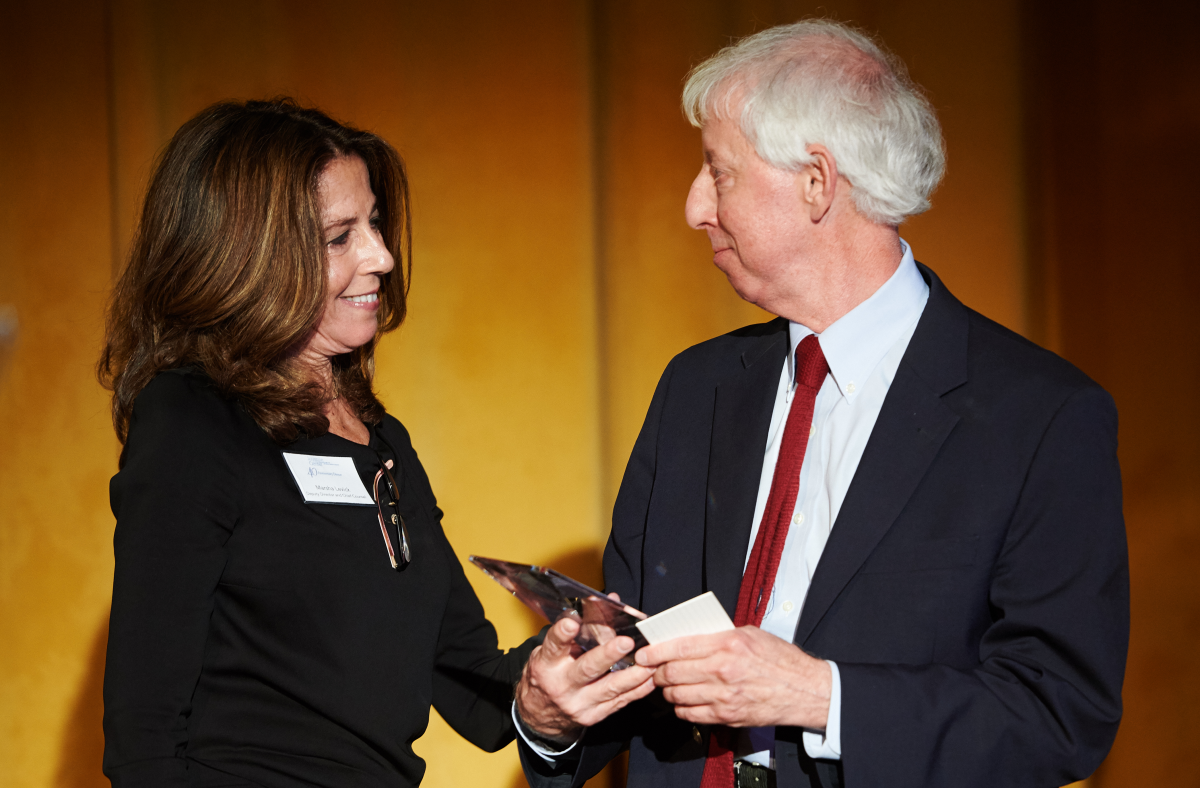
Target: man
[{"x": 912, "y": 514}]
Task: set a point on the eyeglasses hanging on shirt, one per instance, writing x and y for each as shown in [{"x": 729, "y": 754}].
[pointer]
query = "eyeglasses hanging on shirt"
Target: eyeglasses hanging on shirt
[{"x": 390, "y": 519}]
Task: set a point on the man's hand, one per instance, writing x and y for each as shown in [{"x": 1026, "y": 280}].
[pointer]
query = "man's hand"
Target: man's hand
[
  {"x": 563, "y": 690},
  {"x": 743, "y": 678}
]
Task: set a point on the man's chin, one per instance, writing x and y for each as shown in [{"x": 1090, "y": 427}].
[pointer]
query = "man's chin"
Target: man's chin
[
  {"x": 742, "y": 284},
  {"x": 746, "y": 293}
]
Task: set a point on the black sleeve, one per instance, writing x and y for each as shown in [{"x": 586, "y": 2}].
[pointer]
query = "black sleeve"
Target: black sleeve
[
  {"x": 472, "y": 679},
  {"x": 175, "y": 500},
  {"x": 1042, "y": 707}
]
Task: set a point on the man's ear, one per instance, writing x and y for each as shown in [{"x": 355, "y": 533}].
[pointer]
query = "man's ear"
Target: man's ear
[{"x": 818, "y": 182}]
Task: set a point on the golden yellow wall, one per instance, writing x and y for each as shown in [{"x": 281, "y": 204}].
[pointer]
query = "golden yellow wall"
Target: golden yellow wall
[
  {"x": 57, "y": 450},
  {"x": 553, "y": 279},
  {"x": 1121, "y": 272}
]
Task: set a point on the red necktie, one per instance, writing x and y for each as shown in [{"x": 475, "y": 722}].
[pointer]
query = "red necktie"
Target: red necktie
[{"x": 759, "y": 578}]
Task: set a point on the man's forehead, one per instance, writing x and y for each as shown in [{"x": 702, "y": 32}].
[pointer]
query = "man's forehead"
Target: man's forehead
[{"x": 723, "y": 139}]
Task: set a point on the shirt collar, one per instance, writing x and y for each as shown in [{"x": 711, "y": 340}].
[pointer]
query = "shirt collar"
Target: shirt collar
[{"x": 856, "y": 343}]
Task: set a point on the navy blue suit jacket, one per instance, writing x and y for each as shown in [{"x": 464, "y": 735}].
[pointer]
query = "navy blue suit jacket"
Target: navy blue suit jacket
[{"x": 974, "y": 588}]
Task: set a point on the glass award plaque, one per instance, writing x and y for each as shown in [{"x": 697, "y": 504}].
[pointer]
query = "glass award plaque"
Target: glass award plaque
[{"x": 554, "y": 595}]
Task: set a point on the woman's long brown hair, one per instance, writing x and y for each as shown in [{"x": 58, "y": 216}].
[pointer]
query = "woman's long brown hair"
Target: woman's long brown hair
[{"x": 227, "y": 270}]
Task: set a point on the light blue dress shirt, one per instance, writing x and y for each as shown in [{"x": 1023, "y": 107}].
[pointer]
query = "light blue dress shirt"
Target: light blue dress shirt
[{"x": 863, "y": 349}]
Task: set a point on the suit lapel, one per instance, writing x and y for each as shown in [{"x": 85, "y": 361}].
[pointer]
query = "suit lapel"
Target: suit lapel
[
  {"x": 912, "y": 425},
  {"x": 741, "y": 420}
]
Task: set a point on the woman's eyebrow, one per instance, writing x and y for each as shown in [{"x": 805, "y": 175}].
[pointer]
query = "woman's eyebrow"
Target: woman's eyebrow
[{"x": 337, "y": 224}]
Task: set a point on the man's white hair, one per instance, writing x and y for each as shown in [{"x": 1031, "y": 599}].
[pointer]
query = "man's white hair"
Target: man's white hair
[{"x": 819, "y": 81}]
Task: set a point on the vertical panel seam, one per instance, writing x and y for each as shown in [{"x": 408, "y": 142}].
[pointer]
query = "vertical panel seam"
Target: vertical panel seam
[
  {"x": 110, "y": 101},
  {"x": 598, "y": 101}
]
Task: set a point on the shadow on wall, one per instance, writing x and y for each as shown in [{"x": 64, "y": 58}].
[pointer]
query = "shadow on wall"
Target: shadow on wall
[
  {"x": 83, "y": 740},
  {"x": 584, "y": 565},
  {"x": 8, "y": 334}
]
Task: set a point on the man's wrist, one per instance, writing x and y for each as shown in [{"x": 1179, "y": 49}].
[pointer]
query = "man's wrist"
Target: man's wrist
[
  {"x": 827, "y": 742},
  {"x": 547, "y": 747},
  {"x": 565, "y": 735},
  {"x": 563, "y": 741}
]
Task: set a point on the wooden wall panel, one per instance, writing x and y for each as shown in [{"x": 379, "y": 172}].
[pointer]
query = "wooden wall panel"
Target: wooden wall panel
[
  {"x": 554, "y": 277},
  {"x": 660, "y": 292},
  {"x": 1115, "y": 148},
  {"x": 57, "y": 449}
]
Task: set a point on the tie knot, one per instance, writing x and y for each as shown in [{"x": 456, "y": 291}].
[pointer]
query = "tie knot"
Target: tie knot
[{"x": 811, "y": 367}]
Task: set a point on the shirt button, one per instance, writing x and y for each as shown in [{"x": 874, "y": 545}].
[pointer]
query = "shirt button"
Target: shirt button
[
  {"x": 787, "y": 607},
  {"x": 812, "y": 430},
  {"x": 849, "y": 388},
  {"x": 797, "y": 519}
]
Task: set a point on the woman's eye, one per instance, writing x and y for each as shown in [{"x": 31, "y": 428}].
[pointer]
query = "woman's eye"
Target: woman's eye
[
  {"x": 341, "y": 239},
  {"x": 377, "y": 222}
]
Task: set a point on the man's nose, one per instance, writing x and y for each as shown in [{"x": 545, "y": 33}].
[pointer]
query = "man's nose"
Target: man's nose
[{"x": 700, "y": 210}]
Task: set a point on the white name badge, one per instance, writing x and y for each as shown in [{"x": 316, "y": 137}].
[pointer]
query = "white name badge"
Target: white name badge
[{"x": 328, "y": 479}]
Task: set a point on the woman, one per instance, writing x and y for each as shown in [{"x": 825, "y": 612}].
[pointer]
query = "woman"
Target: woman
[{"x": 285, "y": 606}]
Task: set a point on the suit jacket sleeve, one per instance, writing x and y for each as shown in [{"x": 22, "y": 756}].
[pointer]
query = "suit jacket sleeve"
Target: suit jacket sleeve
[{"x": 1042, "y": 706}]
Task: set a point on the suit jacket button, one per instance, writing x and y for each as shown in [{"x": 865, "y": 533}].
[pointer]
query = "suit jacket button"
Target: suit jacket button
[{"x": 696, "y": 735}]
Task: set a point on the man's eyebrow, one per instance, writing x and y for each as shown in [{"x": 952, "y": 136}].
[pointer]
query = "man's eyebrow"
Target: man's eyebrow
[{"x": 713, "y": 160}]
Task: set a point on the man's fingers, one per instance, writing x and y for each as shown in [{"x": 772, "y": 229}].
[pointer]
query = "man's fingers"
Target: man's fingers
[
  {"x": 599, "y": 660},
  {"x": 690, "y": 647},
  {"x": 621, "y": 682},
  {"x": 561, "y": 689},
  {"x": 560, "y": 639},
  {"x": 689, "y": 671},
  {"x": 601, "y": 710},
  {"x": 691, "y": 695},
  {"x": 618, "y": 684},
  {"x": 701, "y": 715}
]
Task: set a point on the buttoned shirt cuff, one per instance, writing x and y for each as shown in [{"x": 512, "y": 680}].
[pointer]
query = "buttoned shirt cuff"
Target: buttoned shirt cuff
[
  {"x": 828, "y": 745},
  {"x": 527, "y": 736}
]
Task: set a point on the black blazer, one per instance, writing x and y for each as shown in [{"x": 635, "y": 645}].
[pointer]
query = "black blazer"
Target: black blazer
[{"x": 974, "y": 588}]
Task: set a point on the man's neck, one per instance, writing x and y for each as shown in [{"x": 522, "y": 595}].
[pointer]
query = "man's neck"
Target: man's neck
[{"x": 846, "y": 273}]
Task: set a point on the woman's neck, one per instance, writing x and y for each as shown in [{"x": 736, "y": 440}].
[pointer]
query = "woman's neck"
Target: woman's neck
[{"x": 343, "y": 421}]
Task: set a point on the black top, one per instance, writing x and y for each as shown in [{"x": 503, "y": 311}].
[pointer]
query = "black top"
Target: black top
[{"x": 259, "y": 640}]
